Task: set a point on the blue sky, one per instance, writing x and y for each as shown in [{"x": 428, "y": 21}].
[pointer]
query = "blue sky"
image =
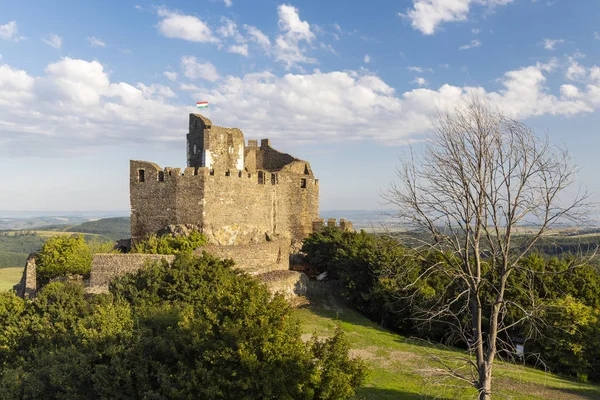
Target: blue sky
[{"x": 86, "y": 86}]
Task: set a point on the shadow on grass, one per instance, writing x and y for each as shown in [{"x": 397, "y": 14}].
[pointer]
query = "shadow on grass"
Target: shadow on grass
[
  {"x": 581, "y": 393},
  {"x": 371, "y": 393}
]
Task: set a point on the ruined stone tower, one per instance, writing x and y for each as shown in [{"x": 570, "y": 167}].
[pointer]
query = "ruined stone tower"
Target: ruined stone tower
[{"x": 237, "y": 193}]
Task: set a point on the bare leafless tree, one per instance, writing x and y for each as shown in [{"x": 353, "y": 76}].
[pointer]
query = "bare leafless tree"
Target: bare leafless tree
[{"x": 480, "y": 180}]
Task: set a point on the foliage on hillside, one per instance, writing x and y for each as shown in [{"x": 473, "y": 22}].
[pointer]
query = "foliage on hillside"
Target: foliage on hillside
[
  {"x": 376, "y": 272},
  {"x": 198, "y": 329},
  {"x": 65, "y": 255},
  {"x": 168, "y": 244},
  {"x": 110, "y": 228},
  {"x": 14, "y": 248}
]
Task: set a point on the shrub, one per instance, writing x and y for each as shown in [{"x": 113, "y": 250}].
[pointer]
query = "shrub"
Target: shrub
[
  {"x": 64, "y": 255},
  {"x": 167, "y": 244}
]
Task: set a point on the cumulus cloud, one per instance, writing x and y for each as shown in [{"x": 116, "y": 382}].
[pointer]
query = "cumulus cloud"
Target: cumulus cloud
[
  {"x": 474, "y": 43},
  {"x": 420, "y": 81},
  {"x": 196, "y": 70},
  {"x": 174, "y": 24},
  {"x": 95, "y": 42},
  {"x": 367, "y": 59},
  {"x": 294, "y": 33},
  {"x": 79, "y": 107},
  {"x": 172, "y": 76},
  {"x": 550, "y": 44},
  {"x": 228, "y": 3},
  {"x": 10, "y": 31},
  {"x": 53, "y": 41},
  {"x": 82, "y": 106},
  {"x": 575, "y": 71},
  {"x": 427, "y": 15},
  {"x": 255, "y": 35},
  {"x": 241, "y": 49}
]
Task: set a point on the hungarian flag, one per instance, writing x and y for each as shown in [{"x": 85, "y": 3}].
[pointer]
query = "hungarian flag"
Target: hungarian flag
[{"x": 202, "y": 104}]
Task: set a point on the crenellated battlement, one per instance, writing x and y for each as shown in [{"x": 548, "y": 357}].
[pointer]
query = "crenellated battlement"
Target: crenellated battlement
[
  {"x": 344, "y": 225},
  {"x": 228, "y": 187}
]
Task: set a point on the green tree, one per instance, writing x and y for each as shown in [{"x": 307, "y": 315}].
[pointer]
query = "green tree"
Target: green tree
[
  {"x": 64, "y": 255},
  {"x": 196, "y": 329}
]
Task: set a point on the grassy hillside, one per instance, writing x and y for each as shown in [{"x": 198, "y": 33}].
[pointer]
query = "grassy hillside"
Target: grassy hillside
[
  {"x": 110, "y": 228},
  {"x": 9, "y": 277},
  {"x": 402, "y": 368},
  {"x": 16, "y": 245}
]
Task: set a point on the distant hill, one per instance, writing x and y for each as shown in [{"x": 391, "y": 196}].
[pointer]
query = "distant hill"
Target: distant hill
[
  {"x": 109, "y": 228},
  {"x": 17, "y": 244}
]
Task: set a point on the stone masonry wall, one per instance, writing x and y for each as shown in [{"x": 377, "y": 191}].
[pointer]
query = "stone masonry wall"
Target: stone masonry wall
[
  {"x": 106, "y": 267},
  {"x": 254, "y": 258},
  {"x": 235, "y": 194}
]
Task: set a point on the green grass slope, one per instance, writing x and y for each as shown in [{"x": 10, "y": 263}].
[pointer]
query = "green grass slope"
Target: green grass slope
[
  {"x": 403, "y": 368},
  {"x": 9, "y": 277}
]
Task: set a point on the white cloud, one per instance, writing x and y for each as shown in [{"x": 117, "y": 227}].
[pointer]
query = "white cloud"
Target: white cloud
[
  {"x": 83, "y": 107},
  {"x": 550, "y": 44},
  {"x": 367, "y": 59},
  {"x": 187, "y": 27},
  {"x": 569, "y": 91},
  {"x": 95, "y": 42},
  {"x": 228, "y": 3},
  {"x": 187, "y": 87},
  {"x": 172, "y": 76},
  {"x": 241, "y": 49},
  {"x": 10, "y": 31},
  {"x": 53, "y": 40},
  {"x": 420, "y": 81},
  {"x": 474, "y": 43},
  {"x": 294, "y": 32},
  {"x": 258, "y": 37},
  {"x": 195, "y": 70},
  {"x": 156, "y": 90},
  {"x": 427, "y": 15},
  {"x": 415, "y": 69},
  {"x": 80, "y": 107},
  {"x": 575, "y": 71}
]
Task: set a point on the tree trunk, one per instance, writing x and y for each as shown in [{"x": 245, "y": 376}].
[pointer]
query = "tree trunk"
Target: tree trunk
[{"x": 485, "y": 383}]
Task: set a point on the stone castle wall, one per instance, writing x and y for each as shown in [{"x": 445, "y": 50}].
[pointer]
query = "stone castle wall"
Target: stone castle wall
[
  {"x": 236, "y": 194},
  {"x": 254, "y": 258},
  {"x": 106, "y": 267}
]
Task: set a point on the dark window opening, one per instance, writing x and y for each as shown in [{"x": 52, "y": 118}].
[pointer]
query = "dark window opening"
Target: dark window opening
[
  {"x": 303, "y": 183},
  {"x": 170, "y": 173},
  {"x": 273, "y": 179},
  {"x": 161, "y": 176},
  {"x": 249, "y": 175},
  {"x": 306, "y": 170},
  {"x": 141, "y": 175},
  {"x": 240, "y": 174},
  {"x": 212, "y": 171},
  {"x": 227, "y": 173},
  {"x": 261, "y": 178},
  {"x": 196, "y": 171}
]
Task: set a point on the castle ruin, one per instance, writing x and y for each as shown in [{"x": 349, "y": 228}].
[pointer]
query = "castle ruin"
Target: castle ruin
[{"x": 235, "y": 193}]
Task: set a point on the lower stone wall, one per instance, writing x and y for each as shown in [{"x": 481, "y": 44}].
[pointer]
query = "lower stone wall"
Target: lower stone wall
[
  {"x": 288, "y": 283},
  {"x": 27, "y": 287},
  {"x": 254, "y": 258},
  {"x": 106, "y": 267}
]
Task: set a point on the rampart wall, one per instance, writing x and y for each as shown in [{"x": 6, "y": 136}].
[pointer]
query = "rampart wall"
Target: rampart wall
[
  {"x": 254, "y": 258},
  {"x": 230, "y": 207},
  {"x": 106, "y": 267}
]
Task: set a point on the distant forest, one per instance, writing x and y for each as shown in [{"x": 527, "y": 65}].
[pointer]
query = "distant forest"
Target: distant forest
[{"x": 15, "y": 246}]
